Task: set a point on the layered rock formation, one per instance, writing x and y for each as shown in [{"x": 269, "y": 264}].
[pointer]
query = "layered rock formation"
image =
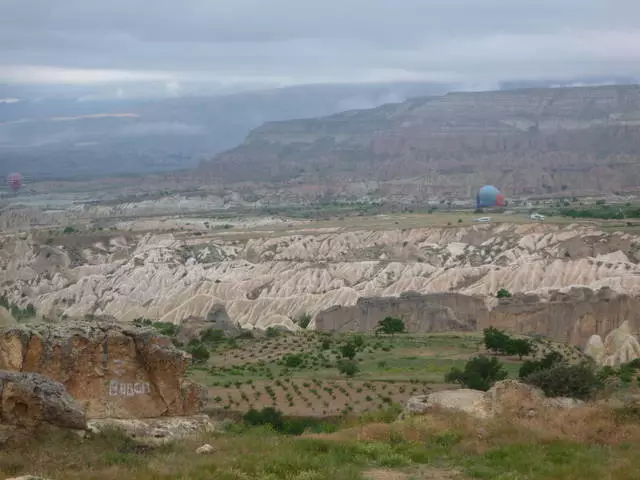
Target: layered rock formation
[
  {"x": 266, "y": 281},
  {"x": 115, "y": 372},
  {"x": 527, "y": 141},
  {"x": 29, "y": 402},
  {"x": 620, "y": 346},
  {"x": 570, "y": 317}
]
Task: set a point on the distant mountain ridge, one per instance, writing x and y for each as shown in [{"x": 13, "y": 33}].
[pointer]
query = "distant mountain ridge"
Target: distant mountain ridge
[
  {"x": 163, "y": 134},
  {"x": 528, "y": 141}
]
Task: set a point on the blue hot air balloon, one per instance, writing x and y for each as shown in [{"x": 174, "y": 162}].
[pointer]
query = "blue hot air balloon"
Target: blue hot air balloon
[{"x": 489, "y": 196}]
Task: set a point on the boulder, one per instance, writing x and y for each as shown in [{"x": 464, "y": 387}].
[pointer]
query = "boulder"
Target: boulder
[
  {"x": 29, "y": 402},
  {"x": 619, "y": 346},
  {"x": 115, "y": 371},
  {"x": 217, "y": 319},
  {"x": 156, "y": 430},
  {"x": 462, "y": 400},
  {"x": 512, "y": 395},
  {"x": 205, "y": 449}
]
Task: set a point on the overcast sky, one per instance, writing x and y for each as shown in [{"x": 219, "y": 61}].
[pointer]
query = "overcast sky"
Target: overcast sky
[{"x": 281, "y": 42}]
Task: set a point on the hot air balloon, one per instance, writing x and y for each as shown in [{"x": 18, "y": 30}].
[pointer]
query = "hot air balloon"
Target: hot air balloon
[
  {"x": 14, "y": 181},
  {"x": 489, "y": 196}
]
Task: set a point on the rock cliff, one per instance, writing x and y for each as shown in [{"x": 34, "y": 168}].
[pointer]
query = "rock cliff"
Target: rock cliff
[
  {"x": 116, "y": 372},
  {"x": 570, "y": 317},
  {"x": 527, "y": 141}
]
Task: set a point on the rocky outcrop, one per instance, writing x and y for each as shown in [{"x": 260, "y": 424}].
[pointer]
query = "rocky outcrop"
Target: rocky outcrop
[
  {"x": 115, "y": 371},
  {"x": 421, "y": 313},
  {"x": 217, "y": 319},
  {"x": 30, "y": 402},
  {"x": 620, "y": 346},
  {"x": 569, "y": 317},
  {"x": 156, "y": 430},
  {"x": 519, "y": 398}
]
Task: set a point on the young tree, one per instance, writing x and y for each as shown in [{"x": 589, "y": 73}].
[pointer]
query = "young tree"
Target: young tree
[
  {"x": 348, "y": 367},
  {"x": 519, "y": 346},
  {"x": 390, "y": 325},
  {"x": 348, "y": 350},
  {"x": 480, "y": 373},
  {"x": 496, "y": 340}
]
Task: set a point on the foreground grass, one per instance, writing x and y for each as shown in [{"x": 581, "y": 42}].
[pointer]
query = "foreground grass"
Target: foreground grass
[{"x": 588, "y": 443}]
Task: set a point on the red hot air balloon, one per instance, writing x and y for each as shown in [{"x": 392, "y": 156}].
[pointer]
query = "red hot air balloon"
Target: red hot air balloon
[{"x": 14, "y": 181}]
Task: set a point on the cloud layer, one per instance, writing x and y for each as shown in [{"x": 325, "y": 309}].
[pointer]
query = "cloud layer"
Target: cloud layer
[{"x": 284, "y": 42}]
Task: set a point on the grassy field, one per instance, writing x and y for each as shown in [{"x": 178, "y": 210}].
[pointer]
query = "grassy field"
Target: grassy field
[
  {"x": 297, "y": 373},
  {"x": 581, "y": 444},
  {"x": 363, "y": 439}
]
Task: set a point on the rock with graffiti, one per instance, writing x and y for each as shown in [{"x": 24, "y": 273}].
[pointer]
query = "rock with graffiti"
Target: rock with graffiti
[{"x": 114, "y": 371}]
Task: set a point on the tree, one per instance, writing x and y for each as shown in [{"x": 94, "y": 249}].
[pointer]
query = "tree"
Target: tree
[
  {"x": 348, "y": 350},
  {"x": 549, "y": 361},
  {"x": 390, "y": 325},
  {"x": 480, "y": 373},
  {"x": 348, "y": 367},
  {"x": 199, "y": 352},
  {"x": 358, "y": 342},
  {"x": 519, "y": 346},
  {"x": 575, "y": 381},
  {"x": 496, "y": 340}
]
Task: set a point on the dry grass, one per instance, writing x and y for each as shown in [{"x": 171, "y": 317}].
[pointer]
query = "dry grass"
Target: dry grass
[{"x": 584, "y": 443}]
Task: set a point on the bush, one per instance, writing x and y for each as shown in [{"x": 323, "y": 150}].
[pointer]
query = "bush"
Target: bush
[
  {"x": 303, "y": 320},
  {"x": 480, "y": 373},
  {"x": 503, "y": 293},
  {"x": 348, "y": 367},
  {"x": 496, "y": 340},
  {"x": 390, "y": 325},
  {"x": 198, "y": 351},
  {"x": 166, "y": 328},
  {"x": 518, "y": 346},
  {"x": 293, "y": 361},
  {"x": 576, "y": 381},
  {"x": 348, "y": 350},
  {"x": 212, "y": 335}
]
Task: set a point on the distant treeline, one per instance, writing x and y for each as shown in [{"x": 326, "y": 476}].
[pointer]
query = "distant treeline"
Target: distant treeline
[{"x": 606, "y": 212}]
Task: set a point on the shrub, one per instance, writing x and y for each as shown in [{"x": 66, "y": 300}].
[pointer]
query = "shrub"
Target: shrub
[
  {"x": 348, "y": 367},
  {"x": 166, "y": 328},
  {"x": 348, "y": 350},
  {"x": 503, "y": 293},
  {"x": 480, "y": 373},
  {"x": 293, "y": 361},
  {"x": 199, "y": 352},
  {"x": 496, "y": 340},
  {"x": 212, "y": 335},
  {"x": 519, "y": 346},
  {"x": 303, "y": 320},
  {"x": 576, "y": 381},
  {"x": 391, "y": 325},
  {"x": 549, "y": 361}
]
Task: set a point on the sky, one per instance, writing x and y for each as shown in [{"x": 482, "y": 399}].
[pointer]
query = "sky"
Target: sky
[{"x": 118, "y": 44}]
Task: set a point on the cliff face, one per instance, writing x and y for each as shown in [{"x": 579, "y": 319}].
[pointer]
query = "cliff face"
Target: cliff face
[
  {"x": 571, "y": 317},
  {"x": 537, "y": 140}
]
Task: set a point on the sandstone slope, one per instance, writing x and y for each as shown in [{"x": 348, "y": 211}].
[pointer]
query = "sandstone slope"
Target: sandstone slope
[{"x": 266, "y": 281}]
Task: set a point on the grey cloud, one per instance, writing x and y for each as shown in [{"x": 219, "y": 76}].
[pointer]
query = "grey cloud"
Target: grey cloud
[{"x": 294, "y": 41}]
